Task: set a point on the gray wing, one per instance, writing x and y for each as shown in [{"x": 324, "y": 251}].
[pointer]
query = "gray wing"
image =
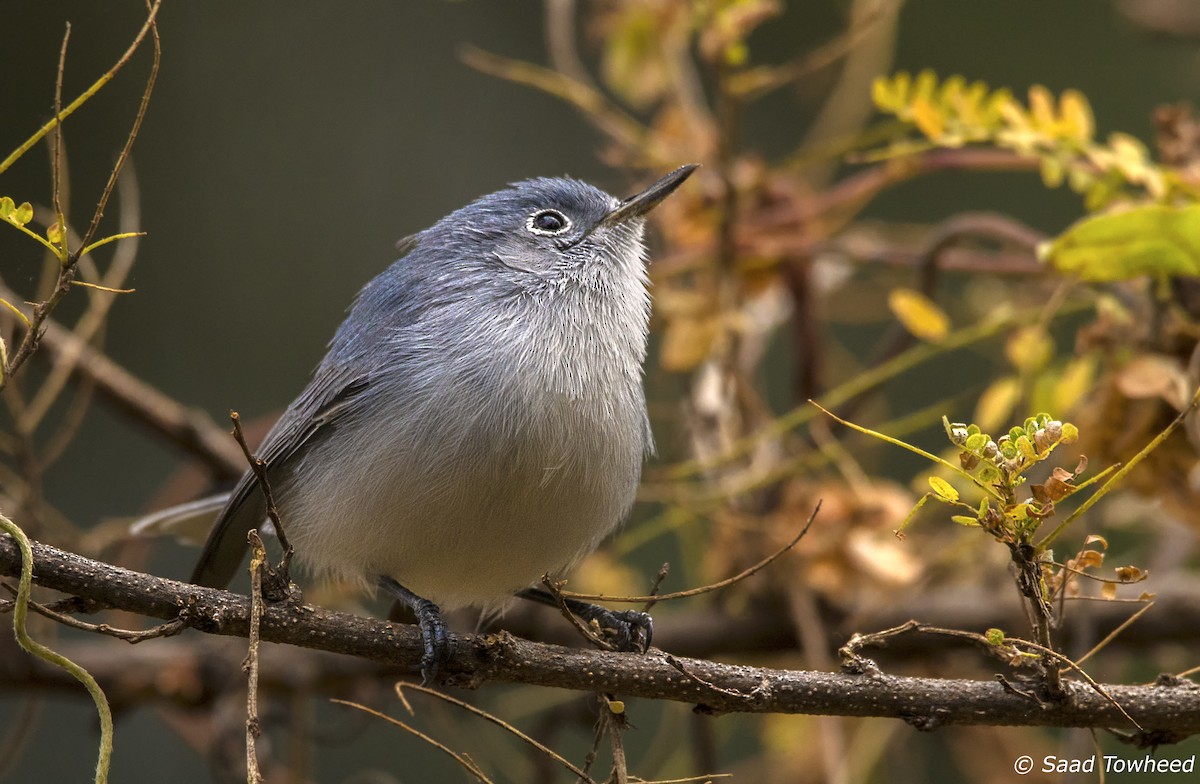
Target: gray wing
[
  {"x": 384, "y": 308},
  {"x": 315, "y": 412}
]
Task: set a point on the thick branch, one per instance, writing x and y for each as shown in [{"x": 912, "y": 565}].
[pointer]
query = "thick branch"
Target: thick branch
[{"x": 1169, "y": 710}]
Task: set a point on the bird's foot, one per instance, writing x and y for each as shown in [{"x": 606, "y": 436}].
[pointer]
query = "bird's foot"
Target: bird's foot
[
  {"x": 625, "y": 630},
  {"x": 434, "y": 636}
]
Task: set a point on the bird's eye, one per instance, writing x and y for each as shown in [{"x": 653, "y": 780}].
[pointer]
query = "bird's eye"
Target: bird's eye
[{"x": 548, "y": 222}]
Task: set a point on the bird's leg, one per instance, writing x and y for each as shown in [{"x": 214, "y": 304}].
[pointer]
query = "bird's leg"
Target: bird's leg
[
  {"x": 433, "y": 627},
  {"x": 632, "y": 630}
]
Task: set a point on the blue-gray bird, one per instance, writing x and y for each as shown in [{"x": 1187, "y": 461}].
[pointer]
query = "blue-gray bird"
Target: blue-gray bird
[{"x": 479, "y": 419}]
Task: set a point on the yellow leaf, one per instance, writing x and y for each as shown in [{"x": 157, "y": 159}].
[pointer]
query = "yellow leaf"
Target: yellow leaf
[
  {"x": 1053, "y": 172},
  {"x": 919, "y": 315},
  {"x": 54, "y": 233},
  {"x": 943, "y": 489},
  {"x": 1075, "y": 116},
  {"x": 996, "y": 403},
  {"x": 22, "y": 214},
  {"x": 1029, "y": 348},
  {"x": 1076, "y": 381},
  {"x": 924, "y": 85},
  {"x": 1041, "y": 107},
  {"x": 927, "y": 118}
]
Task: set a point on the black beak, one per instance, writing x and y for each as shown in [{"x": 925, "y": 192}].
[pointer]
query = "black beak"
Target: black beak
[{"x": 636, "y": 206}]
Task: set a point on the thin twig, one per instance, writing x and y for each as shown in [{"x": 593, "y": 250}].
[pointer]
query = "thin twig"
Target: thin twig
[
  {"x": 754, "y": 83},
  {"x": 260, "y": 475},
  {"x": 560, "y": 41},
  {"x": 595, "y": 106},
  {"x": 1113, "y": 634},
  {"x": 658, "y": 581},
  {"x": 402, "y": 685},
  {"x": 462, "y": 759},
  {"x": 83, "y": 97},
  {"x": 694, "y": 678},
  {"x": 704, "y": 588},
  {"x": 620, "y": 765},
  {"x": 131, "y": 636},
  {"x": 850, "y": 649},
  {"x": 56, "y": 164},
  {"x": 189, "y": 429},
  {"x": 90, "y": 323},
  {"x": 555, "y": 589},
  {"x": 258, "y": 558},
  {"x": 41, "y": 311},
  {"x": 123, "y": 156}
]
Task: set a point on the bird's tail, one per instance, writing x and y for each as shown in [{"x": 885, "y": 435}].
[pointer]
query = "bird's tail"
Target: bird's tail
[{"x": 190, "y": 523}]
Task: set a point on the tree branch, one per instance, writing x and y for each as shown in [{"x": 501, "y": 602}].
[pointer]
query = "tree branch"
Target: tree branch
[{"x": 1170, "y": 709}]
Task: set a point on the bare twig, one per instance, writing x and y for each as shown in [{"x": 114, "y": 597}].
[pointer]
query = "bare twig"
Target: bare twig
[
  {"x": 704, "y": 588},
  {"x": 1113, "y": 634},
  {"x": 66, "y": 273},
  {"x": 260, "y": 475},
  {"x": 663, "y": 571},
  {"x": 1057, "y": 691},
  {"x": 90, "y": 323},
  {"x": 615, "y": 724},
  {"x": 737, "y": 695},
  {"x": 462, "y": 759},
  {"x": 504, "y": 725},
  {"x": 123, "y": 156},
  {"x": 56, "y": 156},
  {"x": 258, "y": 559},
  {"x": 555, "y": 589},
  {"x": 560, "y": 41},
  {"x": 189, "y": 429},
  {"x": 168, "y": 629},
  {"x": 594, "y": 105}
]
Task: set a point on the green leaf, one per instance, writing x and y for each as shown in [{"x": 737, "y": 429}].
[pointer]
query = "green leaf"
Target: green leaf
[
  {"x": 943, "y": 489},
  {"x": 22, "y": 214},
  {"x": 976, "y": 443},
  {"x": 995, "y": 636},
  {"x": 1154, "y": 239},
  {"x": 965, "y": 520}
]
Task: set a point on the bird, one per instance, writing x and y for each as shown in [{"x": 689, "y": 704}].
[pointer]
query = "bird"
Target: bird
[{"x": 479, "y": 419}]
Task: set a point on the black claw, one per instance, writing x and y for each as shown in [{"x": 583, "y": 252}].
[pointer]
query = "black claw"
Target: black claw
[
  {"x": 434, "y": 636},
  {"x": 628, "y": 630}
]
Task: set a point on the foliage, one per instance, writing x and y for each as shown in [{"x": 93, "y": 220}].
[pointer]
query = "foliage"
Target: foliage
[{"x": 1150, "y": 217}]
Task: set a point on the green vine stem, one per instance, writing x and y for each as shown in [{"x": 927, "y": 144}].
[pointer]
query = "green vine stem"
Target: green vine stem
[{"x": 20, "y": 611}]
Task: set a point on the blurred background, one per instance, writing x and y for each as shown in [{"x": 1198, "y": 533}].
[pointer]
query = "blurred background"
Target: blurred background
[{"x": 288, "y": 146}]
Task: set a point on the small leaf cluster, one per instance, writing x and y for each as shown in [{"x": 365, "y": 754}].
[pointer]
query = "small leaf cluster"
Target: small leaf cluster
[
  {"x": 11, "y": 212},
  {"x": 1003, "y": 461},
  {"x": 999, "y": 467},
  {"x": 1060, "y": 133}
]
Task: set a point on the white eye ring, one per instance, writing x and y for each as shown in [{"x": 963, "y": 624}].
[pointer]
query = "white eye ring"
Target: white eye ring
[{"x": 534, "y": 228}]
